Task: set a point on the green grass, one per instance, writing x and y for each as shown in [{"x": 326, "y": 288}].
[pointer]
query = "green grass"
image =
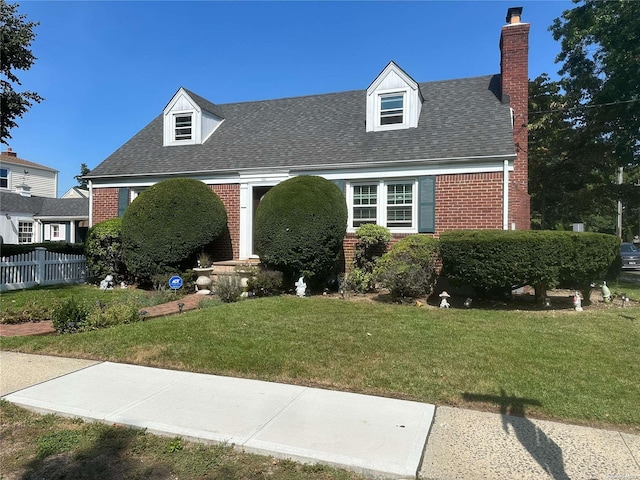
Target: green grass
[
  {"x": 559, "y": 364},
  {"x": 36, "y": 446}
]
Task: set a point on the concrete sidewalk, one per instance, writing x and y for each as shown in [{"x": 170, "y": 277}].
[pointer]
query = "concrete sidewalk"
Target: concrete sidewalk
[{"x": 380, "y": 437}]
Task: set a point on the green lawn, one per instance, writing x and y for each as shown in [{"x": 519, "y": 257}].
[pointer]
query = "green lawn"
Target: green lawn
[{"x": 573, "y": 366}]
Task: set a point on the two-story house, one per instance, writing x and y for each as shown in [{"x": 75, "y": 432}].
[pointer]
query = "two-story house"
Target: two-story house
[
  {"x": 416, "y": 157},
  {"x": 29, "y": 209}
]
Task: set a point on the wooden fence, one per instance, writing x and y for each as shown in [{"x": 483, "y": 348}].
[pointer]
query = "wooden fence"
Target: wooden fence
[{"x": 41, "y": 267}]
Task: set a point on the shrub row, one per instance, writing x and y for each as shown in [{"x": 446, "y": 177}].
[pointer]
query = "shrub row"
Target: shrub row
[
  {"x": 59, "y": 247},
  {"x": 72, "y": 315},
  {"x": 495, "y": 261}
]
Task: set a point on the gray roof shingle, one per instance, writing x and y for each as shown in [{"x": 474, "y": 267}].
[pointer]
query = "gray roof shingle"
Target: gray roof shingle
[
  {"x": 460, "y": 118},
  {"x": 44, "y": 207}
]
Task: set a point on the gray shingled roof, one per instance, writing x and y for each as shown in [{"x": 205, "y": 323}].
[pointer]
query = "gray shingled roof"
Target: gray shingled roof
[
  {"x": 44, "y": 207},
  {"x": 460, "y": 118}
]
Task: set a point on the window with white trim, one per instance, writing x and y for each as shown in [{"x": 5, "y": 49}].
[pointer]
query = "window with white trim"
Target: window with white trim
[
  {"x": 392, "y": 203},
  {"x": 4, "y": 178},
  {"x": 55, "y": 231},
  {"x": 25, "y": 232},
  {"x": 392, "y": 109},
  {"x": 183, "y": 126}
]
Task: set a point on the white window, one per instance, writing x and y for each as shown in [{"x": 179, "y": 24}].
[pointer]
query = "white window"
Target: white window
[
  {"x": 392, "y": 109},
  {"x": 25, "y": 232},
  {"x": 4, "y": 178},
  {"x": 55, "y": 232},
  {"x": 365, "y": 204},
  {"x": 391, "y": 203},
  {"x": 183, "y": 127}
]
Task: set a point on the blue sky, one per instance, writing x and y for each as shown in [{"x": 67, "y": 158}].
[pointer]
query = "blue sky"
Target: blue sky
[{"x": 106, "y": 69}]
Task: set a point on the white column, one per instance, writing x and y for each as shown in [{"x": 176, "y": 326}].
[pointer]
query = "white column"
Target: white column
[{"x": 505, "y": 195}]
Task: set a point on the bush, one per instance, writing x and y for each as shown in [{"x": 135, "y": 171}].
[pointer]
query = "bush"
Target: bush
[
  {"x": 409, "y": 268},
  {"x": 299, "y": 229},
  {"x": 70, "y": 316},
  {"x": 229, "y": 288},
  {"x": 9, "y": 250},
  {"x": 167, "y": 224},
  {"x": 113, "y": 314},
  {"x": 103, "y": 250},
  {"x": 266, "y": 283},
  {"x": 495, "y": 261},
  {"x": 372, "y": 244}
]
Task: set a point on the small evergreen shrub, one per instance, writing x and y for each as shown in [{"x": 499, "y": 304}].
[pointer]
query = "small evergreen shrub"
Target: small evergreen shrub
[
  {"x": 70, "y": 316},
  {"x": 167, "y": 224},
  {"x": 266, "y": 283},
  {"x": 372, "y": 244},
  {"x": 103, "y": 250},
  {"x": 299, "y": 229},
  {"x": 408, "y": 269},
  {"x": 113, "y": 314},
  {"x": 9, "y": 249},
  {"x": 229, "y": 288}
]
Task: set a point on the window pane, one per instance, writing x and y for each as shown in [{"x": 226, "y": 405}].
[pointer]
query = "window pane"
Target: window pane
[
  {"x": 391, "y": 109},
  {"x": 391, "y": 103},
  {"x": 25, "y": 232},
  {"x": 183, "y": 127},
  {"x": 400, "y": 205},
  {"x": 365, "y": 201}
]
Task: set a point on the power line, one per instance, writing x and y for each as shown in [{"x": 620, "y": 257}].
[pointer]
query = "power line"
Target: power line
[{"x": 579, "y": 107}]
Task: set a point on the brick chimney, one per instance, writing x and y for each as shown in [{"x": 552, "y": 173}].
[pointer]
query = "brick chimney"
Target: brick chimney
[
  {"x": 514, "y": 73},
  {"x": 9, "y": 153}
]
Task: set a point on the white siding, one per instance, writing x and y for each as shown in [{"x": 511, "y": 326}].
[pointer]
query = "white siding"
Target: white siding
[{"x": 43, "y": 183}]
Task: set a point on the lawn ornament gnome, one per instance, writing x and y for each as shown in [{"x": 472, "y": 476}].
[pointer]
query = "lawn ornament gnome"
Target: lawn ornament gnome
[
  {"x": 444, "y": 303},
  {"x": 301, "y": 287},
  {"x": 577, "y": 301},
  {"x": 606, "y": 293}
]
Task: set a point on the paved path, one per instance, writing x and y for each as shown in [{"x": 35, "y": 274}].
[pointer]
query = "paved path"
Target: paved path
[{"x": 380, "y": 437}]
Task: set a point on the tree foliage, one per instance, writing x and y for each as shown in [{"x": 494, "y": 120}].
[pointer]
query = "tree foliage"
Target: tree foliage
[
  {"x": 299, "y": 228},
  {"x": 16, "y": 36},
  {"x": 84, "y": 170},
  {"x": 600, "y": 56},
  {"x": 167, "y": 224},
  {"x": 103, "y": 250}
]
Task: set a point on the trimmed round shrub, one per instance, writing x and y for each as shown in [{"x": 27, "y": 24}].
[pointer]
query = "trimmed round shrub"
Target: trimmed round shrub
[
  {"x": 167, "y": 224},
  {"x": 408, "y": 269},
  {"x": 103, "y": 250},
  {"x": 299, "y": 228}
]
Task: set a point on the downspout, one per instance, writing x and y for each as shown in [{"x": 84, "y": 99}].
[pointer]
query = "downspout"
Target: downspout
[
  {"x": 505, "y": 195},
  {"x": 90, "y": 203}
]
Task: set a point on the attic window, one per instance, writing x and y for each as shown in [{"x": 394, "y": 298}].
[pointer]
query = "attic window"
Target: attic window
[
  {"x": 4, "y": 178},
  {"x": 183, "y": 125},
  {"x": 391, "y": 109}
]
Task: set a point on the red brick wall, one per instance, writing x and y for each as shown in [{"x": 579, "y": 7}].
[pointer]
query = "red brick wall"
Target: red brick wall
[
  {"x": 228, "y": 245},
  {"x": 471, "y": 201},
  {"x": 514, "y": 59},
  {"x": 105, "y": 204}
]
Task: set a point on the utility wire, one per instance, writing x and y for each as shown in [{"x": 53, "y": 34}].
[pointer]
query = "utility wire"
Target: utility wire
[{"x": 579, "y": 107}]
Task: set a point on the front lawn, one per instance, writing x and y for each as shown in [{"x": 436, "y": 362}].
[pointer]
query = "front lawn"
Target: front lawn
[{"x": 573, "y": 366}]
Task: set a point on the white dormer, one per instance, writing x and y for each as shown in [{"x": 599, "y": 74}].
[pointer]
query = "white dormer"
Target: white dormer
[
  {"x": 186, "y": 122},
  {"x": 394, "y": 101}
]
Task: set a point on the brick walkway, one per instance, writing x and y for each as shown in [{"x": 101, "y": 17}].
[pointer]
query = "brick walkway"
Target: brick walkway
[{"x": 44, "y": 328}]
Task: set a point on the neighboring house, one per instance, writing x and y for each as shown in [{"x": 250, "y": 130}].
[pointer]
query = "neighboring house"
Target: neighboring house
[
  {"x": 415, "y": 157},
  {"x": 29, "y": 209},
  {"x": 76, "y": 192},
  {"x": 18, "y": 175}
]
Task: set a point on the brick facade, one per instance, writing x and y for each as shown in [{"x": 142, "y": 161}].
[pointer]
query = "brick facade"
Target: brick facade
[
  {"x": 514, "y": 60},
  {"x": 105, "y": 204}
]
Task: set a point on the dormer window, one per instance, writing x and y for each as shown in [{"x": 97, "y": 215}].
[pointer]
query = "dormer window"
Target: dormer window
[
  {"x": 189, "y": 119},
  {"x": 394, "y": 101},
  {"x": 391, "y": 109},
  {"x": 183, "y": 126}
]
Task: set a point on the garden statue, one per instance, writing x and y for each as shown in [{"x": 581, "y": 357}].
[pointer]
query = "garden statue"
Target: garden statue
[
  {"x": 301, "y": 287},
  {"x": 443, "y": 302},
  {"x": 606, "y": 293},
  {"x": 577, "y": 301},
  {"x": 107, "y": 283}
]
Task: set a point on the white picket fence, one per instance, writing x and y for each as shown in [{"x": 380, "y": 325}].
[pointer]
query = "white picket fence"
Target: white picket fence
[{"x": 41, "y": 267}]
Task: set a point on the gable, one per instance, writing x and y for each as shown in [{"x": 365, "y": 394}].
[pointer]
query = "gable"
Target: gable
[
  {"x": 394, "y": 101},
  {"x": 185, "y": 122}
]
